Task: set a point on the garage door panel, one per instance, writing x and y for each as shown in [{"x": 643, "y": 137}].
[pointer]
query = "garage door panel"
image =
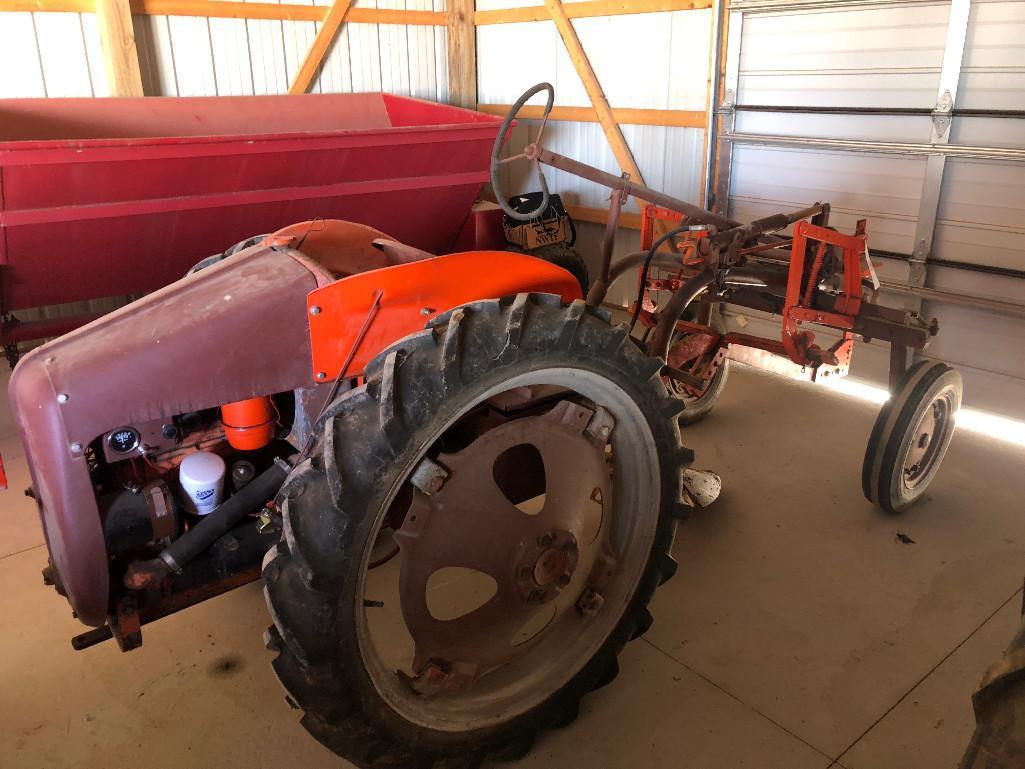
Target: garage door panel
[
  {"x": 854, "y": 57},
  {"x": 906, "y": 128},
  {"x": 858, "y": 182},
  {"x": 993, "y": 68},
  {"x": 978, "y": 339},
  {"x": 981, "y": 216},
  {"x": 988, "y": 131},
  {"x": 884, "y": 233}
]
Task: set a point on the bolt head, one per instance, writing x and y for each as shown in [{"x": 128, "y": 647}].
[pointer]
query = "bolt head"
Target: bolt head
[
  {"x": 426, "y": 310},
  {"x": 63, "y": 398},
  {"x": 321, "y": 376},
  {"x": 315, "y": 310},
  {"x": 76, "y": 447}
]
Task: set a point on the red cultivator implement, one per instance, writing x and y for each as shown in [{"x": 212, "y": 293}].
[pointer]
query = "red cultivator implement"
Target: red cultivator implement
[{"x": 816, "y": 276}]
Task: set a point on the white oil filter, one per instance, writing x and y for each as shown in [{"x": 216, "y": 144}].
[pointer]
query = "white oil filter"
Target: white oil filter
[{"x": 201, "y": 475}]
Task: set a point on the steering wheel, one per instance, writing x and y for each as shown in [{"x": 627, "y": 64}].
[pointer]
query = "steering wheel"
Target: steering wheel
[{"x": 530, "y": 152}]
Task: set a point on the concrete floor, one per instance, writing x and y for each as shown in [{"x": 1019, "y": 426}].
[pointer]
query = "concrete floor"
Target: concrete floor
[{"x": 798, "y": 633}]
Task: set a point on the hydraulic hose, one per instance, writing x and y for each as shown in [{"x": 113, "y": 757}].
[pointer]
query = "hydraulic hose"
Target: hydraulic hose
[{"x": 142, "y": 574}]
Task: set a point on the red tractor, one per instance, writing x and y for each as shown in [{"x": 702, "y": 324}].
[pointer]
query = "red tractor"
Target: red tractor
[{"x": 458, "y": 481}]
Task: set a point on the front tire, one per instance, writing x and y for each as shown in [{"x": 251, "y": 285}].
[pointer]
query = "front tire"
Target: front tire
[
  {"x": 421, "y": 398},
  {"x": 911, "y": 436}
]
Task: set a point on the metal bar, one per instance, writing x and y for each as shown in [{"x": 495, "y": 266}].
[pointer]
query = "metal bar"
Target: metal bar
[
  {"x": 932, "y": 183},
  {"x": 1013, "y": 309},
  {"x": 895, "y": 111},
  {"x": 750, "y": 6},
  {"x": 731, "y": 81},
  {"x": 630, "y": 188},
  {"x": 880, "y": 147},
  {"x": 898, "y": 364},
  {"x": 712, "y": 129}
]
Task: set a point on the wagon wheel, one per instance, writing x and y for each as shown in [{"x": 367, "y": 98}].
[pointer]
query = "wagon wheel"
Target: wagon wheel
[
  {"x": 687, "y": 352},
  {"x": 528, "y": 459},
  {"x": 911, "y": 436},
  {"x": 530, "y": 152}
]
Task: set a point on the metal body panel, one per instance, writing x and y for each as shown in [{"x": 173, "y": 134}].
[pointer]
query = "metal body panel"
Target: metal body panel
[
  {"x": 233, "y": 331},
  {"x": 399, "y": 300}
]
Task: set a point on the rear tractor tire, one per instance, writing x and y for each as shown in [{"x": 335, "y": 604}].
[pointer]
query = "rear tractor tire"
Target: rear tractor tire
[{"x": 518, "y": 448}]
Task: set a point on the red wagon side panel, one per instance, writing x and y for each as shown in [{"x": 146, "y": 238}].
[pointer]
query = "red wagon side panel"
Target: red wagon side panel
[{"x": 122, "y": 196}]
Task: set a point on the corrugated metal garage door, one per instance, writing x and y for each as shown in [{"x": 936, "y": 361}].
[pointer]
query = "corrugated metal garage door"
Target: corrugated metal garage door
[{"x": 911, "y": 114}]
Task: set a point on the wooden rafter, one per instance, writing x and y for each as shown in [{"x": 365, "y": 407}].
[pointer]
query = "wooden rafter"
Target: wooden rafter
[
  {"x": 117, "y": 41},
  {"x": 320, "y": 46},
  {"x": 228, "y": 9},
  {"x": 623, "y": 116},
  {"x": 589, "y": 8}
]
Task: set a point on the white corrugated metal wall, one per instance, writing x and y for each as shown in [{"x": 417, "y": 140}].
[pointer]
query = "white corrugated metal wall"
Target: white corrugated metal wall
[
  {"x": 891, "y": 56},
  {"x": 58, "y": 54},
  {"x": 649, "y": 60}
]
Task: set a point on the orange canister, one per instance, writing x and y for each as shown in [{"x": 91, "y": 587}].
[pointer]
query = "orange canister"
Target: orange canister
[{"x": 248, "y": 424}]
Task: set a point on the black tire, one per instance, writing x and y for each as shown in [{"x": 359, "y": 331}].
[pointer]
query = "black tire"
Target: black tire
[
  {"x": 999, "y": 738},
  {"x": 561, "y": 255},
  {"x": 370, "y": 438},
  {"x": 885, "y": 480},
  {"x": 698, "y": 408}
]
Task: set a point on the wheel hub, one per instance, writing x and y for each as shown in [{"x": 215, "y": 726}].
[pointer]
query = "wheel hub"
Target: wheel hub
[
  {"x": 927, "y": 437},
  {"x": 547, "y": 568},
  {"x": 539, "y": 560}
]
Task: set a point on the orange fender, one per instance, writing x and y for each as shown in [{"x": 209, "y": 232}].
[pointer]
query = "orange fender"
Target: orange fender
[{"x": 412, "y": 294}]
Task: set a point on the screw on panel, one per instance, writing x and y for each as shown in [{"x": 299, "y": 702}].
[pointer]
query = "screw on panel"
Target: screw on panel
[
  {"x": 76, "y": 447},
  {"x": 62, "y": 398},
  {"x": 315, "y": 310}
]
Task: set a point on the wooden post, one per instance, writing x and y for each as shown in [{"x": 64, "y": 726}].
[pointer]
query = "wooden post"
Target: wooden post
[
  {"x": 462, "y": 54},
  {"x": 321, "y": 43},
  {"x": 117, "y": 40}
]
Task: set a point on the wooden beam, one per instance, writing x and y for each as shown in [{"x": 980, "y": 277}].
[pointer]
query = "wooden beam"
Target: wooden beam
[
  {"x": 215, "y": 9},
  {"x": 462, "y": 54},
  {"x": 624, "y": 116},
  {"x": 601, "y": 216},
  {"x": 589, "y": 8},
  {"x": 606, "y": 119},
  {"x": 117, "y": 41},
  {"x": 320, "y": 46}
]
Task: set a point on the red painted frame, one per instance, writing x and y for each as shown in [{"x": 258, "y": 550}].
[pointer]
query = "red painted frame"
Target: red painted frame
[{"x": 795, "y": 344}]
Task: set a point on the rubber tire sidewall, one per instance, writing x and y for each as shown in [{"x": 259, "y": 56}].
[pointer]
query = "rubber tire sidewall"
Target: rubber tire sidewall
[{"x": 893, "y": 432}]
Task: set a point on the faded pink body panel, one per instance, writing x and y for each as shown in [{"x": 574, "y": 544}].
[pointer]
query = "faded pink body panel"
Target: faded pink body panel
[{"x": 233, "y": 331}]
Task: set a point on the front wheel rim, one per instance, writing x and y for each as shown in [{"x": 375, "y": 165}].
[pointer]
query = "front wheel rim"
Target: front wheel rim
[{"x": 928, "y": 440}]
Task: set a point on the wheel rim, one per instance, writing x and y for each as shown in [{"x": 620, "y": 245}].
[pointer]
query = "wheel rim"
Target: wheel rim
[
  {"x": 928, "y": 439},
  {"x": 689, "y": 352},
  {"x": 548, "y": 564}
]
